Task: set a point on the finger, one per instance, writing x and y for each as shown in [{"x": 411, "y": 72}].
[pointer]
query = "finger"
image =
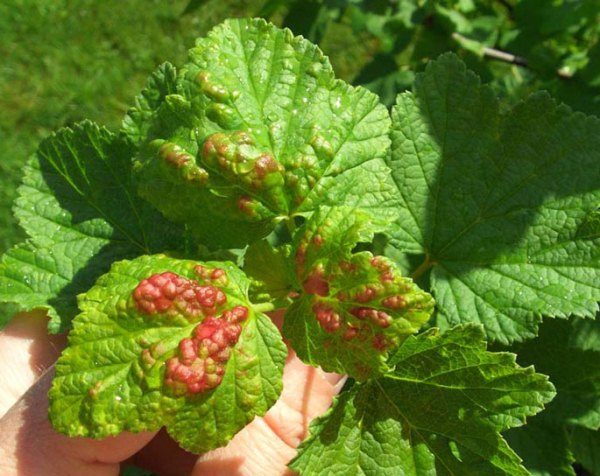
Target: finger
[
  {"x": 29, "y": 445},
  {"x": 164, "y": 457},
  {"x": 267, "y": 444},
  {"x": 26, "y": 351}
]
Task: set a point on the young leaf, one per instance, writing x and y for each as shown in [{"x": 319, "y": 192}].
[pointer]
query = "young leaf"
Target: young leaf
[
  {"x": 259, "y": 129},
  {"x": 271, "y": 270},
  {"x": 440, "y": 411},
  {"x": 502, "y": 203},
  {"x": 81, "y": 211},
  {"x": 354, "y": 307},
  {"x": 575, "y": 372},
  {"x": 165, "y": 342},
  {"x": 160, "y": 84}
]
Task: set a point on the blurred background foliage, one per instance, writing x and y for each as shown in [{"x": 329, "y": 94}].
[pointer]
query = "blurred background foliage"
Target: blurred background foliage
[{"x": 65, "y": 60}]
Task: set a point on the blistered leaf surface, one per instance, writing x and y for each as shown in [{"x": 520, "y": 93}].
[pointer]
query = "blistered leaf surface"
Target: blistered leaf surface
[
  {"x": 353, "y": 307},
  {"x": 255, "y": 127},
  {"x": 440, "y": 411},
  {"x": 165, "y": 342}
]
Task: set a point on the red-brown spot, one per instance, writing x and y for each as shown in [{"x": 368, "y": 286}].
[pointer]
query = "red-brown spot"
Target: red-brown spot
[
  {"x": 329, "y": 320},
  {"x": 218, "y": 276},
  {"x": 347, "y": 267},
  {"x": 316, "y": 283},
  {"x": 201, "y": 361},
  {"x": 366, "y": 295},
  {"x": 201, "y": 271},
  {"x": 264, "y": 165},
  {"x": 379, "y": 342},
  {"x": 351, "y": 332},
  {"x": 174, "y": 154},
  {"x": 170, "y": 293},
  {"x": 379, "y": 318},
  {"x": 301, "y": 255},
  {"x": 394, "y": 302},
  {"x": 318, "y": 240}
]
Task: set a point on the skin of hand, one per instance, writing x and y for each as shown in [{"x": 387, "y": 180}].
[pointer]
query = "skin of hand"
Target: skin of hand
[{"x": 29, "y": 445}]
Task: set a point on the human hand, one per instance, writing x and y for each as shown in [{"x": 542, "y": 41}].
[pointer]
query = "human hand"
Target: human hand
[{"x": 29, "y": 445}]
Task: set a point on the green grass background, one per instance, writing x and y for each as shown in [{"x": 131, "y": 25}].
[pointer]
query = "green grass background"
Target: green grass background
[{"x": 66, "y": 60}]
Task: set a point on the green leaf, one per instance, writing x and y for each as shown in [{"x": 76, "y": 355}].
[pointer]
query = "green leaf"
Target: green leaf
[
  {"x": 502, "y": 203},
  {"x": 160, "y": 84},
  {"x": 354, "y": 307},
  {"x": 544, "y": 447},
  {"x": 113, "y": 376},
  {"x": 585, "y": 334},
  {"x": 574, "y": 372},
  {"x": 440, "y": 411},
  {"x": 586, "y": 447},
  {"x": 81, "y": 212},
  {"x": 271, "y": 270},
  {"x": 561, "y": 352},
  {"x": 257, "y": 130}
]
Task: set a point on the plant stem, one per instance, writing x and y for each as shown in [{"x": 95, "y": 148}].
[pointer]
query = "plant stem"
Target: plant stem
[
  {"x": 424, "y": 266},
  {"x": 500, "y": 55},
  {"x": 263, "y": 307}
]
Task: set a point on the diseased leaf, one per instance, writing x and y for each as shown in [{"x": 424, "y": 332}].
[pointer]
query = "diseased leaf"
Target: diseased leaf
[
  {"x": 440, "y": 411},
  {"x": 574, "y": 372},
  {"x": 503, "y": 203},
  {"x": 165, "y": 342},
  {"x": 257, "y": 129},
  {"x": 354, "y": 307},
  {"x": 81, "y": 212}
]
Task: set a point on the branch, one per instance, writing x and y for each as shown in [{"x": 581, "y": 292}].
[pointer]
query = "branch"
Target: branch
[{"x": 503, "y": 55}]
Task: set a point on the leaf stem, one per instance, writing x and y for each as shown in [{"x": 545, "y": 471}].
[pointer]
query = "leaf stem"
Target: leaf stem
[
  {"x": 424, "y": 266},
  {"x": 263, "y": 307}
]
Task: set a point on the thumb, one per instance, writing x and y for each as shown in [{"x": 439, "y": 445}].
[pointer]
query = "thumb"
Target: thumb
[
  {"x": 30, "y": 446},
  {"x": 267, "y": 444}
]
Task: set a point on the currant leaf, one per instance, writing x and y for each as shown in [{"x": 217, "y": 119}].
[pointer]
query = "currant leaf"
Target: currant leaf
[
  {"x": 439, "y": 411},
  {"x": 271, "y": 271},
  {"x": 79, "y": 207},
  {"x": 504, "y": 204},
  {"x": 256, "y": 128},
  {"x": 166, "y": 342},
  {"x": 353, "y": 307},
  {"x": 570, "y": 359},
  {"x": 574, "y": 371},
  {"x": 544, "y": 447}
]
